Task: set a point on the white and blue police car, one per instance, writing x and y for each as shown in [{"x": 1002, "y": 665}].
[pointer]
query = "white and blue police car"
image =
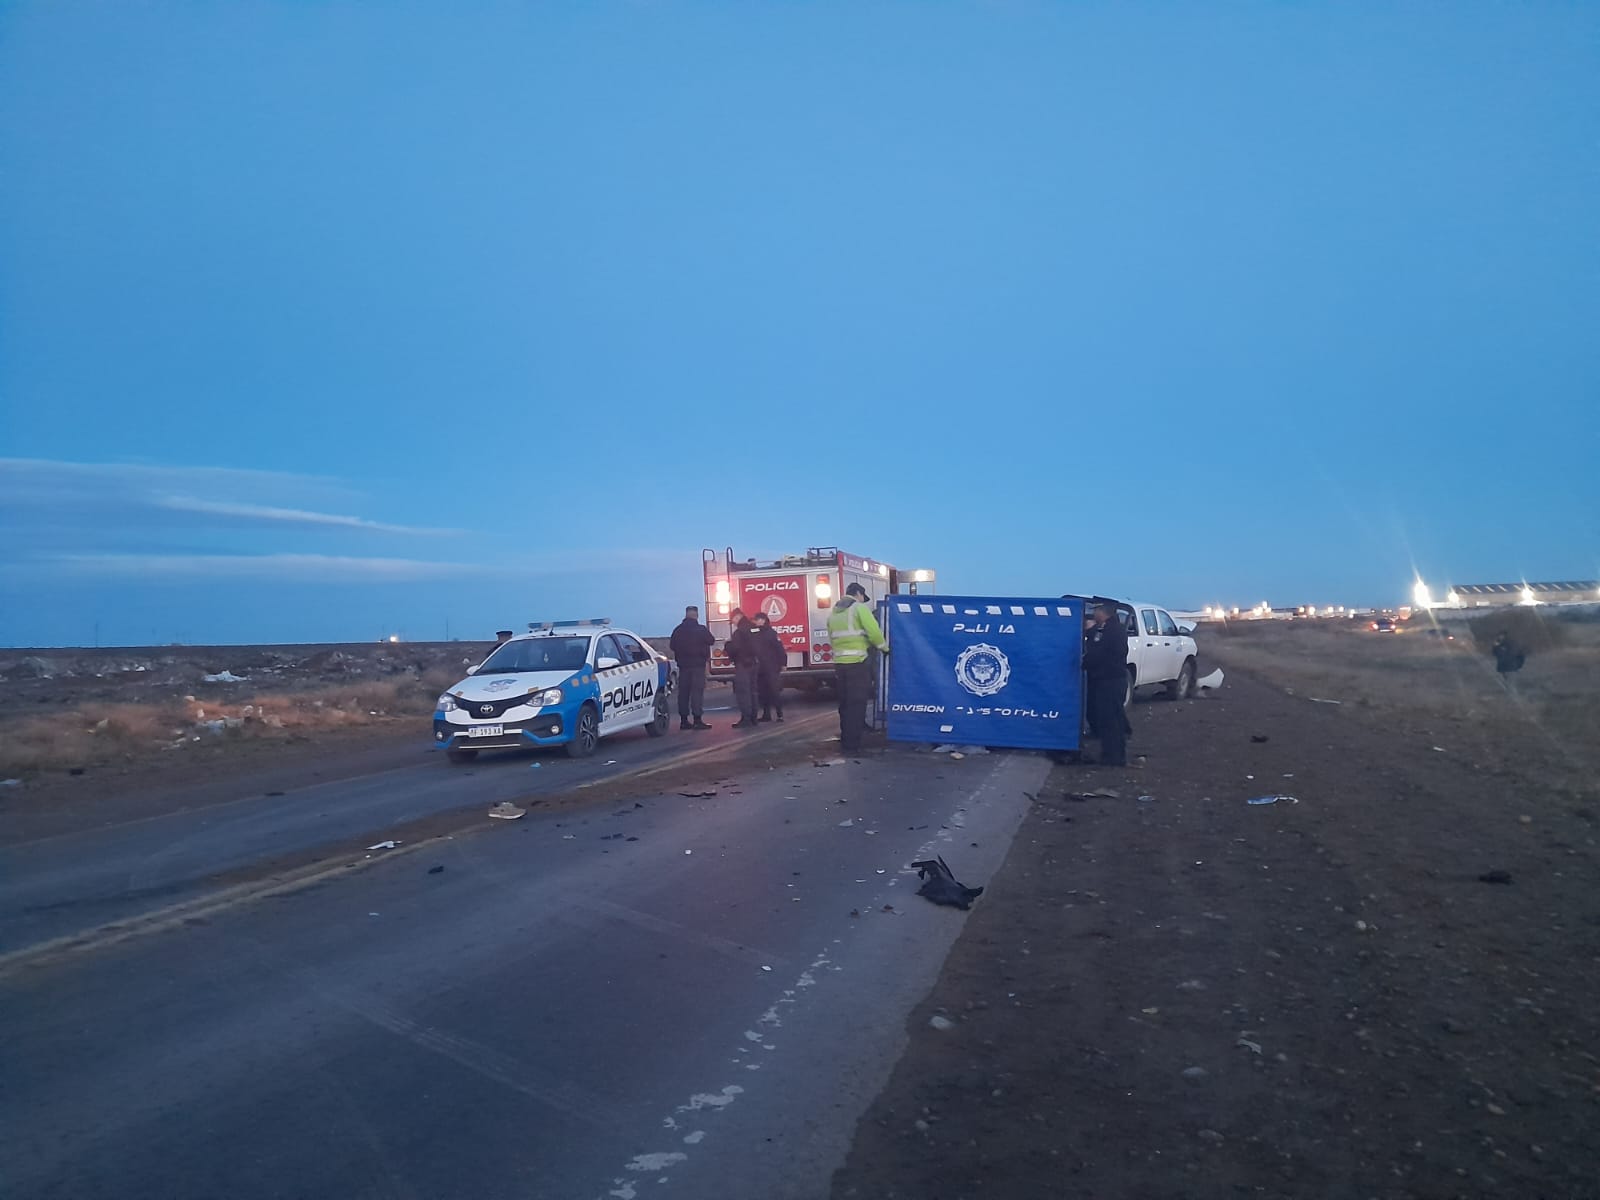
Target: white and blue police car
[{"x": 564, "y": 683}]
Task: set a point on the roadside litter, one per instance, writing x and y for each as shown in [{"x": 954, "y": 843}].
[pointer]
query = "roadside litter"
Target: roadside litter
[
  {"x": 939, "y": 884},
  {"x": 697, "y": 795},
  {"x": 830, "y": 762},
  {"x": 227, "y": 677},
  {"x": 952, "y": 749},
  {"x": 1258, "y": 737},
  {"x": 1273, "y": 800},
  {"x": 847, "y": 824},
  {"x": 10, "y": 783},
  {"x": 506, "y": 811},
  {"x": 1212, "y": 681},
  {"x": 534, "y": 766},
  {"x": 1319, "y": 700},
  {"x": 439, "y": 870},
  {"x": 389, "y": 845}
]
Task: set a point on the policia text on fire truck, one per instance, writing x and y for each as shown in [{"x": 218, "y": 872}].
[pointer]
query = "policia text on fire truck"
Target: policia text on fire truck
[{"x": 853, "y": 630}]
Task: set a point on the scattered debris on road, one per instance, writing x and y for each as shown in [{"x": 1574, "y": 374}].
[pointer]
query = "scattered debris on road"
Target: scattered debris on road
[
  {"x": 939, "y": 884},
  {"x": 389, "y": 845},
  {"x": 1258, "y": 737},
  {"x": 697, "y": 795},
  {"x": 1212, "y": 681},
  {"x": 438, "y": 870},
  {"x": 506, "y": 811},
  {"x": 1273, "y": 800},
  {"x": 1320, "y": 700},
  {"x": 227, "y": 677}
]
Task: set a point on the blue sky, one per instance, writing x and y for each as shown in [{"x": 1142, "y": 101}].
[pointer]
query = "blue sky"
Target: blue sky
[{"x": 325, "y": 321}]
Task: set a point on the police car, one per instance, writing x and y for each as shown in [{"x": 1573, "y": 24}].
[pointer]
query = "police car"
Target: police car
[{"x": 564, "y": 683}]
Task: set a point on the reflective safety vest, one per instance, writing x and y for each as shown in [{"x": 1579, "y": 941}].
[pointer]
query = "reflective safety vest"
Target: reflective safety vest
[{"x": 851, "y": 626}]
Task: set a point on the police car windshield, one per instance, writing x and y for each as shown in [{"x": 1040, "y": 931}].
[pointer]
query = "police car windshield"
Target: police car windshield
[{"x": 537, "y": 654}]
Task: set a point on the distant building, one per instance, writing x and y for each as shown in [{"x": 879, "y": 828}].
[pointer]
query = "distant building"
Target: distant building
[{"x": 1502, "y": 595}]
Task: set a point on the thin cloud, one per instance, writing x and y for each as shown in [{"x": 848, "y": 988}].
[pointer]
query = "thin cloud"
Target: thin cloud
[
  {"x": 317, "y": 568},
  {"x": 17, "y": 474},
  {"x": 299, "y": 516}
]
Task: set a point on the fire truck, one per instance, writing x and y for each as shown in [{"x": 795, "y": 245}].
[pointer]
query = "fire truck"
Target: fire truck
[{"x": 796, "y": 592}]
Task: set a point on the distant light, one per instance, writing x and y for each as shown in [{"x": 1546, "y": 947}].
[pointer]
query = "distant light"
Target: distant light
[
  {"x": 1420, "y": 597},
  {"x": 394, "y": 637},
  {"x": 1527, "y": 595},
  {"x": 1452, "y": 599}
]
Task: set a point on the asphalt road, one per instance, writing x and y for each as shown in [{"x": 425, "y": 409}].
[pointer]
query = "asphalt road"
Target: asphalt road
[
  {"x": 562, "y": 1011},
  {"x": 59, "y": 886}
]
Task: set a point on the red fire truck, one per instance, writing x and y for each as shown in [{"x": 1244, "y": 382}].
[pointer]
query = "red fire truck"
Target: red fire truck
[{"x": 797, "y": 593}]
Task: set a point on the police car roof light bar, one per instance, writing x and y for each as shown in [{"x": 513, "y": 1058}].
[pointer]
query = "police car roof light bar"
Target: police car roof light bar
[{"x": 545, "y": 626}]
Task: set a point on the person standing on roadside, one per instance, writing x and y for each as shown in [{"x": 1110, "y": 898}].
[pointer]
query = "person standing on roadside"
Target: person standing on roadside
[
  {"x": 744, "y": 652},
  {"x": 853, "y": 631},
  {"x": 1105, "y": 663},
  {"x": 774, "y": 658},
  {"x": 691, "y": 646}
]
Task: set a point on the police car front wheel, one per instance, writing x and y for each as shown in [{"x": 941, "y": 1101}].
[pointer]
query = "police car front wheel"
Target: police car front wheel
[
  {"x": 662, "y": 717},
  {"x": 587, "y": 735}
]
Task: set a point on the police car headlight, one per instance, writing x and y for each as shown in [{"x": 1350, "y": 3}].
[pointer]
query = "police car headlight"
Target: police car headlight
[
  {"x": 545, "y": 699},
  {"x": 446, "y": 703}
]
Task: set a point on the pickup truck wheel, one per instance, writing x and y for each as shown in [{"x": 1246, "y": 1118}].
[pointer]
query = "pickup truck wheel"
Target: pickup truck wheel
[
  {"x": 1127, "y": 700},
  {"x": 662, "y": 718},
  {"x": 1182, "y": 687},
  {"x": 586, "y": 738},
  {"x": 458, "y": 757}
]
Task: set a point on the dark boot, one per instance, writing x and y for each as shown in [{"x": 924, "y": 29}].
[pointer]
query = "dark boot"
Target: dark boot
[
  {"x": 683, "y": 723},
  {"x": 699, "y": 724},
  {"x": 766, "y": 715}
]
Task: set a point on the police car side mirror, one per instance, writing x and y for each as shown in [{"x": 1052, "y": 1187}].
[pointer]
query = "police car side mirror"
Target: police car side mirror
[
  {"x": 473, "y": 670},
  {"x": 606, "y": 663}
]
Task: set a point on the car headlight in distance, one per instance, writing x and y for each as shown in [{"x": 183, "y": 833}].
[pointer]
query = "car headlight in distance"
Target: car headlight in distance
[{"x": 446, "y": 703}]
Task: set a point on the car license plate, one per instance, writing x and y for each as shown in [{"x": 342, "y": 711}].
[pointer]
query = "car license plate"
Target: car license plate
[{"x": 487, "y": 731}]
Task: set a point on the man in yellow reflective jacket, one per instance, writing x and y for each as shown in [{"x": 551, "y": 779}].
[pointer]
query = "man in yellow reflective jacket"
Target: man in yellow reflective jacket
[{"x": 853, "y": 630}]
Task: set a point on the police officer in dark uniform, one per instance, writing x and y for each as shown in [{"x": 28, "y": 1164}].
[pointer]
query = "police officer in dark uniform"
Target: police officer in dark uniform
[{"x": 1105, "y": 663}]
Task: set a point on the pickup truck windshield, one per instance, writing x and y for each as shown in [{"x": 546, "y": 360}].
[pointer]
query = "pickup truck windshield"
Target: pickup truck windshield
[{"x": 537, "y": 654}]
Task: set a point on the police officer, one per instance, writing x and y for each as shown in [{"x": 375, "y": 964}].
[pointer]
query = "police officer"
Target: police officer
[
  {"x": 1105, "y": 663},
  {"x": 744, "y": 652},
  {"x": 852, "y": 630},
  {"x": 691, "y": 646}
]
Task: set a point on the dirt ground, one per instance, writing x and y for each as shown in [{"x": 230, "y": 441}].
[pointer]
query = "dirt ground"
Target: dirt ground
[{"x": 1384, "y": 989}]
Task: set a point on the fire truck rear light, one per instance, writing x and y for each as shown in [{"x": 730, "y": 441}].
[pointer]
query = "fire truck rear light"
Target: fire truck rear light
[{"x": 722, "y": 593}]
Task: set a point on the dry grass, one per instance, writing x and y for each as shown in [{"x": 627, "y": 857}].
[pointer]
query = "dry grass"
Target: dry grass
[
  {"x": 1547, "y": 719},
  {"x": 97, "y": 733}
]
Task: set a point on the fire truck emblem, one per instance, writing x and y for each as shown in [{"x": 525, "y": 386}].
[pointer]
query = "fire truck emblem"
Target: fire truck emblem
[
  {"x": 982, "y": 669},
  {"x": 775, "y": 606}
]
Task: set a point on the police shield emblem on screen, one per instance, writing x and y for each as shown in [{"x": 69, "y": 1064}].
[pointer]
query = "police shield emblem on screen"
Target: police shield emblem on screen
[{"x": 982, "y": 669}]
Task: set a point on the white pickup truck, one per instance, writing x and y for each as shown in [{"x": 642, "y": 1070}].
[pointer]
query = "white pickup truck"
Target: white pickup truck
[{"x": 1160, "y": 654}]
